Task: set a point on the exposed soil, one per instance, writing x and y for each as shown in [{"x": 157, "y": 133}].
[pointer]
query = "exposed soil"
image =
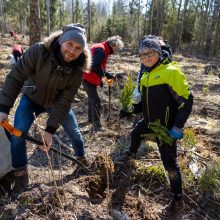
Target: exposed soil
[{"x": 116, "y": 190}]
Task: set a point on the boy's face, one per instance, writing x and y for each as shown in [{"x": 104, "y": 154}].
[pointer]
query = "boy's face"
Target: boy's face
[
  {"x": 149, "y": 57},
  {"x": 70, "y": 50}
]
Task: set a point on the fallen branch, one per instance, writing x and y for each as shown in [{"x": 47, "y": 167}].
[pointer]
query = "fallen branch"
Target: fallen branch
[
  {"x": 150, "y": 159},
  {"x": 213, "y": 201},
  {"x": 200, "y": 157},
  {"x": 189, "y": 151},
  {"x": 206, "y": 215}
]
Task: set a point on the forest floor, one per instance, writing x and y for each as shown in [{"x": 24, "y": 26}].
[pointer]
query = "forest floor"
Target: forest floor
[{"x": 135, "y": 190}]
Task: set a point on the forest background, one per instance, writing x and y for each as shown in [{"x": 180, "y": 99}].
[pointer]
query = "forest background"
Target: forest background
[
  {"x": 190, "y": 26},
  {"x": 140, "y": 189}
]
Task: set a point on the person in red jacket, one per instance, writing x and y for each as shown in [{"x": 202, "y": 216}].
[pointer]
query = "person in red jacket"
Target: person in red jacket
[
  {"x": 13, "y": 35},
  {"x": 17, "y": 51},
  {"x": 93, "y": 78}
]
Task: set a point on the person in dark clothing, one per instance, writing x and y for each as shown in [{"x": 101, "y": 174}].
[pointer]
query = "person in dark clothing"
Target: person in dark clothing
[
  {"x": 12, "y": 34},
  {"x": 165, "y": 96},
  {"x": 93, "y": 78},
  {"x": 17, "y": 52},
  {"x": 50, "y": 73}
]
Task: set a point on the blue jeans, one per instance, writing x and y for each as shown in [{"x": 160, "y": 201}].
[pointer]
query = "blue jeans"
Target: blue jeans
[{"x": 24, "y": 118}]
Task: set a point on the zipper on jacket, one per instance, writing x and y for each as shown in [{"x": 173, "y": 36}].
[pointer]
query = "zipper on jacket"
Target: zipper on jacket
[
  {"x": 148, "y": 113},
  {"x": 167, "y": 115}
]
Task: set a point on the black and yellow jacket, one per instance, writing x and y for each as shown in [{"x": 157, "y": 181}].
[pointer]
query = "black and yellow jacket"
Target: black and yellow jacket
[{"x": 166, "y": 95}]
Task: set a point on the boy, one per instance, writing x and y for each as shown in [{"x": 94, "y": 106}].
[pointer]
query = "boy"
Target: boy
[{"x": 165, "y": 96}]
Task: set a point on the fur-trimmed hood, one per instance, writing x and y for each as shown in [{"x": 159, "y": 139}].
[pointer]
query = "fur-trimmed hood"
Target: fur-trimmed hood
[{"x": 88, "y": 58}]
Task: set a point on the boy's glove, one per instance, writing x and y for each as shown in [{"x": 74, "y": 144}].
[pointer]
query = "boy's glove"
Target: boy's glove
[
  {"x": 176, "y": 133},
  {"x": 124, "y": 113}
]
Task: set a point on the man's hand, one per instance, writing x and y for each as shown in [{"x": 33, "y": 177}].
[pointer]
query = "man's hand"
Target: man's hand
[
  {"x": 3, "y": 116},
  {"x": 176, "y": 133},
  {"x": 48, "y": 142}
]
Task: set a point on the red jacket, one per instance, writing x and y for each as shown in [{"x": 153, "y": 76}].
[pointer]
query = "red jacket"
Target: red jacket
[
  {"x": 91, "y": 76},
  {"x": 17, "y": 48}
]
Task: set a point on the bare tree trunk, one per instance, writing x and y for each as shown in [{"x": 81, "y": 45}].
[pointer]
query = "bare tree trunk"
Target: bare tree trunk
[
  {"x": 73, "y": 20},
  {"x": 202, "y": 32},
  {"x": 181, "y": 25},
  {"x": 172, "y": 25},
  {"x": 48, "y": 16},
  {"x": 145, "y": 19},
  {"x": 216, "y": 44},
  {"x": 139, "y": 9},
  {"x": 178, "y": 21},
  {"x": 161, "y": 17},
  {"x": 61, "y": 13},
  {"x": 35, "y": 31},
  {"x": 214, "y": 20},
  {"x": 89, "y": 21},
  {"x": 131, "y": 10},
  {"x": 158, "y": 12},
  {"x": 24, "y": 28},
  {"x": 151, "y": 16},
  {"x": 20, "y": 16},
  {"x": 76, "y": 11},
  {"x": 2, "y": 14}
]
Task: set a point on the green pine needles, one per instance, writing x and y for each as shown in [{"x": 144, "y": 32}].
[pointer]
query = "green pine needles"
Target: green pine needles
[
  {"x": 160, "y": 132},
  {"x": 126, "y": 97}
]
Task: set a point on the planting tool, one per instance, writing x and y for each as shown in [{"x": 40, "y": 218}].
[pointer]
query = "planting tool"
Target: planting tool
[
  {"x": 109, "y": 83},
  {"x": 26, "y": 137}
]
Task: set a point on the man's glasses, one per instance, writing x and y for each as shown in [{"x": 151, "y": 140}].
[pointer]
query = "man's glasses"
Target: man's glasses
[{"x": 148, "y": 54}]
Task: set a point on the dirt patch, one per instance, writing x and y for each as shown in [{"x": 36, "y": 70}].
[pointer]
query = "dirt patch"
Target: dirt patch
[
  {"x": 144, "y": 208},
  {"x": 97, "y": 184},
  {"x": 42, "y": 200},
  {"x": 95, "y": 187}
]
